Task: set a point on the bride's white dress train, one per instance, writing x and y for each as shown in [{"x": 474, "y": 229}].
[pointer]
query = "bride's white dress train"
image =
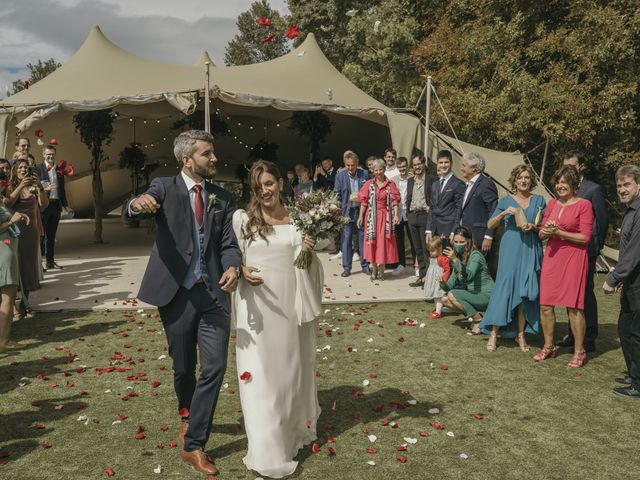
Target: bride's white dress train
[{"x": 275, "y": 343}]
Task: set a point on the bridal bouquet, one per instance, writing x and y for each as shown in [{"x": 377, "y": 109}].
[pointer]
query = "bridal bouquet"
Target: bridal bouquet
[{"x": 317, "y": 214}]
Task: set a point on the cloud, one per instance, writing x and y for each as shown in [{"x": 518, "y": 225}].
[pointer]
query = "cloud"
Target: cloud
[{"x": 155, "y": 29}]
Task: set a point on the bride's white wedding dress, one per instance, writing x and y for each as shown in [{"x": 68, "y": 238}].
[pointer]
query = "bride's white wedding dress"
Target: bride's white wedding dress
[{"x": 275, "y": 343}]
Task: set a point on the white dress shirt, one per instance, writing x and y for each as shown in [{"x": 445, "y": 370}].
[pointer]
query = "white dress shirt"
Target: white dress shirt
[
  {"x": 470, "y": 185},
  {"x": 401, "y": 182}
]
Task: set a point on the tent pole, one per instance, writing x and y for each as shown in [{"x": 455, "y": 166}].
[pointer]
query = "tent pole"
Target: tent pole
[
  {"x": 426, "y": 119},
  {"x": 544, "y": 160},
  {"x": 207, "y": 114}
]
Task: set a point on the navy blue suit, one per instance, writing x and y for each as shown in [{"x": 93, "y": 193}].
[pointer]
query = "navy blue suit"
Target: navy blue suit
[
  {"x": 593, "y": 192},
  {"x": 478, "y": 208},
  {"x": 342, "y": 190},
  {"x": 445, "y": 206},
  {"x": 51, "y": 215},
  {"x": 195, "y": 314}
]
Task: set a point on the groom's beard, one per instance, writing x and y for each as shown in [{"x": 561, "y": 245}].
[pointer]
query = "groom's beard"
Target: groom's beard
[{"x": 208, "y": 172}]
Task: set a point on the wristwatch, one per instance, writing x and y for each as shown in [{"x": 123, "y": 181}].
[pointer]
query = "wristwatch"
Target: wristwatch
[{"x": 238, "y": 272}]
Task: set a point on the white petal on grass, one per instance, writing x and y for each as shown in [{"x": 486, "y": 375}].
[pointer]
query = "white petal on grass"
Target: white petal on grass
[
  {"x": 372, "y": 463},
  {"x": 158, "y": 469},
  {"x": 372, "y": 438},
  {"x": 434, "y": 411},
  {"x": 365, "y": 383},
  {"x": 410, "y": 440},
  {"x": 116, "y": 422},
  {"x": 464, "y": 456},
  {"x": 412, "y": 402},
  {"x": 450, "y": 434}
]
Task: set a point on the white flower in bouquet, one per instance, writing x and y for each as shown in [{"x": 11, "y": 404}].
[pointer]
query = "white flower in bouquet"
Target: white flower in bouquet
[{"x": 316, "y": 214}]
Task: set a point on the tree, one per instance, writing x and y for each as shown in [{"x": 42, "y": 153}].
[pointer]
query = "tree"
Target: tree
[
  {"x": 512, "y": 76},
  {"x": 255, "y": 42},
  {"x": 133, "y": 158},
  {"x": 96, "y": 130},
  {"x": 316, "y": 126},
  {"x": 37, "y": 72},
  {"x": 372, "y": 47}
]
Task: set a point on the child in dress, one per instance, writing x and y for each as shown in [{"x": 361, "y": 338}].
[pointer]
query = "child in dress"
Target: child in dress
[{"x": 439, "y": 266}]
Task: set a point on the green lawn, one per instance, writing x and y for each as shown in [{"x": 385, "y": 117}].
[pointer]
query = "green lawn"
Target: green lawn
[{"x": 511, "y": 417}]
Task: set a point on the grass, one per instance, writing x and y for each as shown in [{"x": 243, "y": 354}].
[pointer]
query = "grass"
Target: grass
[{"x": 537, "y": 420}]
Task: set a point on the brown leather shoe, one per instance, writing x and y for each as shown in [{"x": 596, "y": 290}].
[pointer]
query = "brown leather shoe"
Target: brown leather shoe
[
  {"x": 184, "y": 426},
  {"x": 199, "y": 461}
]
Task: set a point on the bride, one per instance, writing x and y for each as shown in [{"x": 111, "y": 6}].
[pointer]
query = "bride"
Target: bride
[{"x": 274, "y": 307}]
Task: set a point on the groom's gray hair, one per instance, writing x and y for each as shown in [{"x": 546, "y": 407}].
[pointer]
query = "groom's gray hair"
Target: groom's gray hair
[{"x": 185, "y": 144}]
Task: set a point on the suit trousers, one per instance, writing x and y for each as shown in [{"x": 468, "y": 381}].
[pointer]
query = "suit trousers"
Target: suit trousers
[
  {"x": 417, "y": 226},
  {"x": 50, "y": 220},
  {"x": 629, "y": 332},
  {"x": 401, "y": 229},
  {"x": 349, "y": 230},
  {"x": 194, "y": 321}
]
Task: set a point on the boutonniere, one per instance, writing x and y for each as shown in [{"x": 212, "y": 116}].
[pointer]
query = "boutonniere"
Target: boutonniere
[{"x": 211, "y": 202}]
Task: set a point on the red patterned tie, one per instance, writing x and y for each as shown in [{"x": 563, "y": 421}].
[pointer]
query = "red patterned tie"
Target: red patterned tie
[{"x": 199, "y": 203}]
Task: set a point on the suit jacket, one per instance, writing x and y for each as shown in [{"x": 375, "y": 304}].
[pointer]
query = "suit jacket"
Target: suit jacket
[
  {"x": 326, "y": 181},
  {"x": 428, "y": 183},
  {"x": 593, "y": 192},
  {"x": 342, "y": 188},
  {"x": 173, "y": 247},
  {"x": 44, "y": 177},
  {"x": 445, "y": 206},
  {"x": 477, "y": 210}
]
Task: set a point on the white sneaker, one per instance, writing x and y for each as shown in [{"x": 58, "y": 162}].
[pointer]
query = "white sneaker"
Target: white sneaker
[
  {"x": 337, "y": 256},
  {"x": 356, "y": 257},
  {"x": 418, "y": 272},
  {"x": 399, "y": 270}
]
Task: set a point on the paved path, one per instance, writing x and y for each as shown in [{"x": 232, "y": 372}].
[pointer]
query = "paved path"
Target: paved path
[{"x": 108, "y": 275}]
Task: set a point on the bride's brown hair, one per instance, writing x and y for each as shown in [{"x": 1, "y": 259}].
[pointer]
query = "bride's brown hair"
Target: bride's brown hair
[{"x": 257, "y": 223}]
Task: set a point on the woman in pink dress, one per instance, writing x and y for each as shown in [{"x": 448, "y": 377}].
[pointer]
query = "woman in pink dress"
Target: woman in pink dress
[
  {"x": 567, "y": 224},
  {"x": 379, "y": 199}
]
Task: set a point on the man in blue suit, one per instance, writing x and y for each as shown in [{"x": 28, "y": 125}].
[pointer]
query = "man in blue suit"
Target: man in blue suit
[
  {"x": 348, "y": 183},
  {"x": 194, "y": 264},
  {"x": 479, "y": 201},
  {"x": 446, "y": 199},
  {"x": 593, "y": 192}
]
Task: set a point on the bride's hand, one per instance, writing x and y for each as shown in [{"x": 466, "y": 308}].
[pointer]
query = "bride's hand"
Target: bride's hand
[
  {"x": 253, "y": 280},
  {"x": 309, "y": 241}
]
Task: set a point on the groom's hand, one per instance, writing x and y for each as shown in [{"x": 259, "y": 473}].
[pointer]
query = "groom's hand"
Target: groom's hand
[
  {"x": 144, "y": 204},
  {"x": 229, "y": 280}
]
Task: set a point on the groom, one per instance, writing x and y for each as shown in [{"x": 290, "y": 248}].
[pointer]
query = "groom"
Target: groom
[{"x": 194, "y": 264}]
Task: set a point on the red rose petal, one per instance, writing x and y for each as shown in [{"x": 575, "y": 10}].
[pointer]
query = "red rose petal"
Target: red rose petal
[
  {"x": 108, "y": 472},
  {"x": 330, "y": 440},
  {"x": 401, "y": 459},
  {"x": 478, "y": 417},
  {"x": 172, "y": 443},
  {"x": 315, "y": 448},
  {"x": 184, "y": 412},
  {"x": 155, "y": 384},
  {"x": 424, "y": 434},
  {"x": 164, "y": 428},
  {"x": 334, "y": 406},
  {"x": 122, "y": 417},
  {"x": 331, "y": 451},
  {"x": 40, "y": 426},
  {"x": 140, "y": 436},
  {"x": 372, "y": 450},
  {"x": 46, "y": 445},
  {"x": 246, "y": 376},
  {"x": 437, "y": 426},
  {"x": 444, "y": 367}
]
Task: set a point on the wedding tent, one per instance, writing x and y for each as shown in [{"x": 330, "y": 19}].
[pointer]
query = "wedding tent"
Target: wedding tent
[{"x": 255, "y": 102}]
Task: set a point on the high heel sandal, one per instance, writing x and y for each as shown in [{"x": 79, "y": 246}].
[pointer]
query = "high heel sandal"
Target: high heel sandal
[
  {"x": 545, "y": 353},
  {"x": 578, "y": 360},
  {"x": 492, "y": 342},
  {"x": 522, "y": 343}
]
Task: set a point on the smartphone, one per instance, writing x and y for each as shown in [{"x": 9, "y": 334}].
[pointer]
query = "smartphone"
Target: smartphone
[{"x": 446, "y": 242}]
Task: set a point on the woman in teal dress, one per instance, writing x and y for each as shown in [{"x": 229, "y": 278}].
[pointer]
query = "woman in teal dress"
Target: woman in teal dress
[
  {"x": 514, "y": 307},
  {"x": 470, "y": 269},
  {"x": 9, "y": 273}
]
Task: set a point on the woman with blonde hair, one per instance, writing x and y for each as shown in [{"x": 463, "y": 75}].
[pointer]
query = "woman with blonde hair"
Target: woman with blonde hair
[{"x": 514, "y": 307}]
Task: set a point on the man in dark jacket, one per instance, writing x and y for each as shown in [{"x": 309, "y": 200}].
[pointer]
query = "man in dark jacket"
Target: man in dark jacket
[
  {"x": 194, "y": 264},
  {"x": 593, "y": 192},
  {"x": 446, "y": 199},
  {"x": 625, "y": 277}
]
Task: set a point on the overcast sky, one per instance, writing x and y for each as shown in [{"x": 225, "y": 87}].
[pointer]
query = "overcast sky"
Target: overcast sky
[{"x": 168, "y": 30}]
